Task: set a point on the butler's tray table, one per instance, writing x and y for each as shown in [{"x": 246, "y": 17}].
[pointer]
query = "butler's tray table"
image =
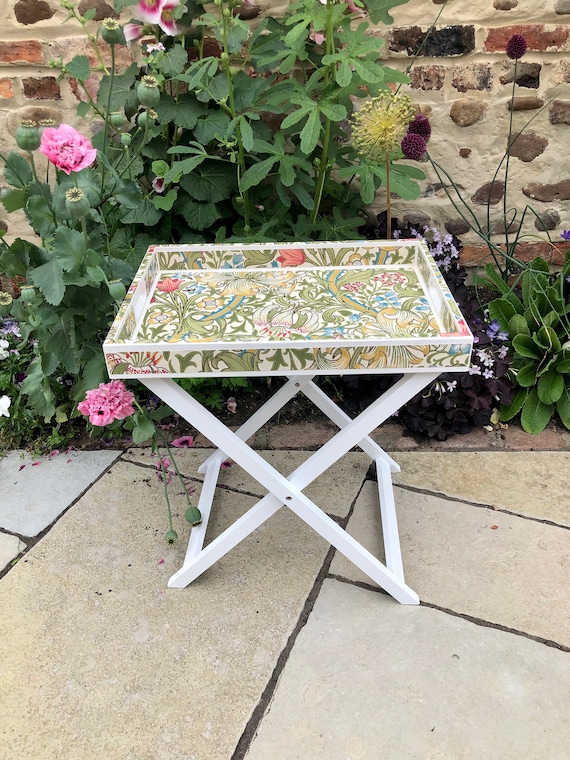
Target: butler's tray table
[{"x": 296, "y": 310}]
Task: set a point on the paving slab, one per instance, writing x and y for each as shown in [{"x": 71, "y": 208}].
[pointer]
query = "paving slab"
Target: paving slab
[
  {"x": 528, "y": 482},
  {"x": 36, "y": 490},
  {"x": 505, "y": 569},
  {"x": 368, "y": 678},
  {"x": 333, "y": 491},
  {"x": 98, "y": 659},
  {"x": 10, "y": 547}
]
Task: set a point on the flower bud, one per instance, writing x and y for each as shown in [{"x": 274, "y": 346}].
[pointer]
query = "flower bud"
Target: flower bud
[
  {"x": 148, "y": 93},
  {"x": 193, "y": 515},
  {"x": 145, "y": 118},
  {"x": 117, "y": 119},
  {"x": 77, "y": 203},
  {"x": 117, "y": 290},
  {"x": 224, "y": 57},
  {"x": 171, "y": 537},
  {"x": 126, "y": 139},
  {"x": 112, "y": 32},
  {"x": 27, "y": 293},
  {"x": 28, "y": 135}
]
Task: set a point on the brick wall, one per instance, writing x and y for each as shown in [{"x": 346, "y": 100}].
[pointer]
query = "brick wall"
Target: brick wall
[{"x": 462, "y": 79}]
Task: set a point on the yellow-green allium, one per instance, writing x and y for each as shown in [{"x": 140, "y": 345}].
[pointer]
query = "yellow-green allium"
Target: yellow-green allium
[{"x": 378, "y": 127}]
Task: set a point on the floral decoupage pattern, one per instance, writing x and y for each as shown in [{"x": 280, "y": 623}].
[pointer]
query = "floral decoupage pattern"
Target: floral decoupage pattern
[{"x": 272, "y": 309}]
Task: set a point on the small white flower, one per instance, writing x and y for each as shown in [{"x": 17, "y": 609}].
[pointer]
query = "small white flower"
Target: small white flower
[
  {"x": 3, "y": 346},
  {"x": 4, "y": 406}
]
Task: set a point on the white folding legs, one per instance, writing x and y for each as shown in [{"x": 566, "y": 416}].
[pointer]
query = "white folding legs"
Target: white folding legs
[{"x": 288, "y": 491}]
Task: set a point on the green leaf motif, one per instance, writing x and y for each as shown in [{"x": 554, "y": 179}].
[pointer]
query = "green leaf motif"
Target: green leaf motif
[{"x": 48, "y": 278}]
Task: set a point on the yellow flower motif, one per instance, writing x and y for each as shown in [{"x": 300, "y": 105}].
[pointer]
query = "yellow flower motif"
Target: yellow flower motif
[{"x": 378, "y": 127}]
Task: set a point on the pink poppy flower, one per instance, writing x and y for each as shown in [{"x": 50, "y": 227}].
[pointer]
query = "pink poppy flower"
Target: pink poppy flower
[
  {"x": 109, "y": 402},
  {"x": 168, "y": 285},
  {"x": 67, "y": 148},
  {"x": 291, "y": 257},
  {"x": 149, "y": 11},
  {"x": 166, "y": 21}
]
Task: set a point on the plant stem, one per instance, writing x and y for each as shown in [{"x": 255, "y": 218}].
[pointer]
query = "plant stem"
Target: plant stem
[
  {"x": 388, "y": 199},
  {"x": 107, "y": 114}
]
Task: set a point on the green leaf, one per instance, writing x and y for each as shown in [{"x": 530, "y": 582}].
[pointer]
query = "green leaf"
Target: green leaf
[
  {"x": 379, "y": 10},
  {"x": 562, "y": 364},
  {"x": 13, "y": 199},
  {"x": 117, "y": 87},
  {"x": 300, "y": 192},
  {"x": 297, "y": 115},
  {"x": 183, "y": 111},
  {"x": 36, "y": 386},
  {"x": 311, "y": 131},
  {"x": 143, "y": 428},
  {"x": 213, "y": 126},
  {"x": 145, "y": 214},
  {"x": 79, "y": 68},
  {"x": 160, "y": 168},
  {"x": 48, "y": 278},
  {"x": 287, "y": 172},
  {"x": 17, "y": 171},
  {"x": 563, "y": 405},
  {"x": 95, "y": 371},
  {"x": 518, "y": 326},
  {"x": 68, "y": 248},
  {"x": 526, "y": 376},
  {"x": 519, "y": 398},
  {"x": 343, "y": 74},
  {"x": 184, "y": 167},
  {"x": 550, "y": 387},
  {"x": 525, "y": 346},
  {"x": 173, "y": 61},
  {"x": 535, "y": 415},
  {"x": 212, "y": 181},
  {"x": 502, "y": 310},
  {"x": 246, "y": 134},
  {"x": 165, "y": 202},
  {"x": 333, "y": 111},
  {"x": 129, "y": 195},
  {"x": 62, "y": 341},
  {"x": 369, "y": 71},
  {"x": 547, "y": 339},
  {"x": 198, "y": 215},
  {"x": 256, "y": 173},
  {"x": 495, "y": 278}
]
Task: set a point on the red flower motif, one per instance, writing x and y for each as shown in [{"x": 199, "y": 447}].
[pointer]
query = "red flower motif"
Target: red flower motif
[
  {"x": 168, "y": 285},
  {"x": 291, "y": 257}
]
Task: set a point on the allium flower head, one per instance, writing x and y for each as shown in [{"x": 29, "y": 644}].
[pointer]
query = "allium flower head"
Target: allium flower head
[
  {"x": 420, "y": 126},
  {"x": 379, "y": 126},
  {"x": 413, "y": 146},
  {"x": 516, "y": 47}
]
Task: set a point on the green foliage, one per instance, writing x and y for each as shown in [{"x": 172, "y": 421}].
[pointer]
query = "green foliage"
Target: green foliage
[
  {"x": 247, "y": 141},
  {"x": 537, "y": 317}
]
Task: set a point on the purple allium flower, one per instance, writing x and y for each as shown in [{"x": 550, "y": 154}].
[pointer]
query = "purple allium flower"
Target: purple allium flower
[
  {"x": 565, "y": 234},
  {"x": 516, "y": 47},
  {"x": 420, "y": 125},
  {"x": 413, "y": 146}
]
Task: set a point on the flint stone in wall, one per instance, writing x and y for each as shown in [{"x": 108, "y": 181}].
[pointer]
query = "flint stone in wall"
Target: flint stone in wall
[
  {"x": 528, "y": 74},
  {"x": 449, "y": 41},
  {"x": 560, "y": 191},
  {"x": 467, "y": 111},
  {"x": 489, "y": 193},
  {"x": 525, "y": 103},
  {"x": 500, "y": 228},
  {"x": 457, "y": 226},
  {"x": 473, "y": 76},
  {"x": 548, "y": 219},
  {"x": 427, "y": 77},
  {"x": 102, "y": 10},
  {"x": 505, "y": 5},
  {"x": 31, "y": 11},
  {"x": 527, "y": 146},
  {"x": 562, "y": 7},
  {"x": 417, "y": 219},
  {"x": 562, "y": 72},
  {"x": 560, "y": 112}
]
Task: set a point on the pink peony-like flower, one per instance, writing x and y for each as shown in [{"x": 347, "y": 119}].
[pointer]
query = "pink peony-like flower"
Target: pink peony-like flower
[
  {"x": 67, "y": 148},
  {"x": 291, "y": 257},
  {"x": 109, "y": 402}
]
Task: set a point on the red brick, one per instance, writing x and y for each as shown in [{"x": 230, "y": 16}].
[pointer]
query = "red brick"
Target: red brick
[
  {"x": 6, "y": 88},
  {"x": 41, "y": 88},
  {"x": 23, "y": 51},
  {"x": 536, "y": 36}
]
